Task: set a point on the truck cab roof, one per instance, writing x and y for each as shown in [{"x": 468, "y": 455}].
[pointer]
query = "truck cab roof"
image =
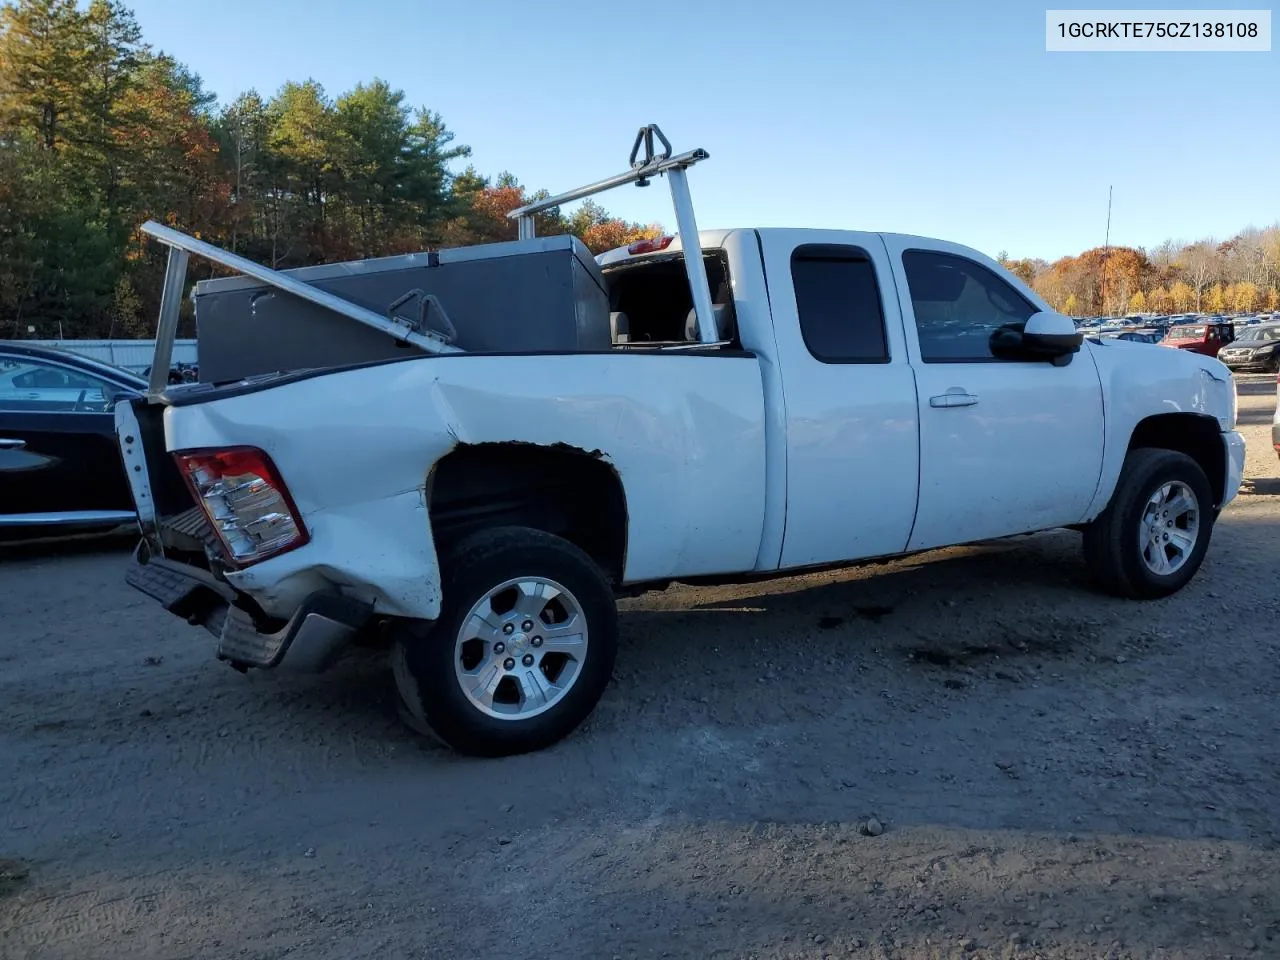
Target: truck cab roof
[{"x": 670, "y": 243}]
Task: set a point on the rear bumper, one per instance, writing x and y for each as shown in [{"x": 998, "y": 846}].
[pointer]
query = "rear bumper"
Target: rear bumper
[{"x": 308, "y": 642}]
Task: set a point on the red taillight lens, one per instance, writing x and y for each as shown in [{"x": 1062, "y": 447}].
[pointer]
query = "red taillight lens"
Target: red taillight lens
[
  {"x": 650, "y": 246},
  {"x": 247, "y": 503}
]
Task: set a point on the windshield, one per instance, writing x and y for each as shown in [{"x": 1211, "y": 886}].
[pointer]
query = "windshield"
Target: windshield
[
  {"x": 1186, "y": 333},
  {"x": 1261, "y": 333}
]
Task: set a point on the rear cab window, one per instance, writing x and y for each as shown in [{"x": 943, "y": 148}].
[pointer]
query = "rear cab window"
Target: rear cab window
[{"x": 652, "y": 294}]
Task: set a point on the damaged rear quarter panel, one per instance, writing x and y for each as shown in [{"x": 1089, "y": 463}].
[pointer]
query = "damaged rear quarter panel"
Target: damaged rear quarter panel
[{"x": 685, "y": 435}]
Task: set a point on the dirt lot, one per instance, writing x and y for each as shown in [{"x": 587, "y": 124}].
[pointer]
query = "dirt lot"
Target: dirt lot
[{"x": 1057, "y": 774}]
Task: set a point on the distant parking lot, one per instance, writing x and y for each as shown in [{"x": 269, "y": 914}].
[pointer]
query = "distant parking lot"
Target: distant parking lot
[{"x": 964, "y": 754}]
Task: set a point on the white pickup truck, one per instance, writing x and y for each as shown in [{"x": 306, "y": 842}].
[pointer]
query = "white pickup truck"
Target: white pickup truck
[{"x": 793, "y": 399}]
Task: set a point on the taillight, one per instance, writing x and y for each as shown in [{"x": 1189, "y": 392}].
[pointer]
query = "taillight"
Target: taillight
[
  {"x": 650, "y": 246},
  {"x": 246, "y": 502}
]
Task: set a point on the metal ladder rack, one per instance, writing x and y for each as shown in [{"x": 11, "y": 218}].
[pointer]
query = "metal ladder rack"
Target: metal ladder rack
[
  {"x": 643, "y": 167},
  {"x": 646, "y": 163},
  {"x": 181, "y": 246}
]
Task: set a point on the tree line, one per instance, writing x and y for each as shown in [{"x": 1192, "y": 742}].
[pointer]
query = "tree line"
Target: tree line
[
  {"x": 1239, "y": 275},
  {"x": 100, "y": 132}
]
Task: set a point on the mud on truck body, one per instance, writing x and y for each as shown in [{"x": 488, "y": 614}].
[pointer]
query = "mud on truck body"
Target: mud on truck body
[{"x": 467, "y": 455}]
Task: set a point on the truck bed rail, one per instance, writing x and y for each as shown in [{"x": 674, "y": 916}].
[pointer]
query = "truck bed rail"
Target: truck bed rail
[{"x": 643, "y": 167}]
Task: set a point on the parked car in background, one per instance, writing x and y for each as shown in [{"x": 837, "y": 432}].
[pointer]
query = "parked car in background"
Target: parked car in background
[
  {"x": 1206, "y": 337},
  {"x": 1141, "y": 335},
  {"x": 1258, "y": 348},
  {"x": 60, "y": 466}
]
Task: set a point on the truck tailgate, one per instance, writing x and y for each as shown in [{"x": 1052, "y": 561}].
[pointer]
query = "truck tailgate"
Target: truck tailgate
[{"x": 172, "y": 564}]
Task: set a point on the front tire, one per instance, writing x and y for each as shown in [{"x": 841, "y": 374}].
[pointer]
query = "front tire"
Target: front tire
[
  {"x": 522, "y": 651},
  {"x": 1152, "y": 537}
]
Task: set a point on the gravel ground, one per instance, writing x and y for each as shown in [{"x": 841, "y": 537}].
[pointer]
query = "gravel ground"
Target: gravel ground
[{"x": 967, "y": 754}]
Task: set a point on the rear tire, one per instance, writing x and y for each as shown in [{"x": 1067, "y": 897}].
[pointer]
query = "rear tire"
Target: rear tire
[
  {"x": 523, "y": 648},
  {"x": 1152, "y": 537}
]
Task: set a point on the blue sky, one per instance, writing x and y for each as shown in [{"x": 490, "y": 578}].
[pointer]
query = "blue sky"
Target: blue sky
[{"x": 947, "y": 119}]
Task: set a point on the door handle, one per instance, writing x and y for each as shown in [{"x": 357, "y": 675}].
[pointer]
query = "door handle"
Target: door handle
[
  {"x": 6, "y": 444},
  {"x": 956, "y": 399}
]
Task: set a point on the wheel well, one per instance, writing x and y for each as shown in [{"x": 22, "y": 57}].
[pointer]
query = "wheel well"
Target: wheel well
[
  {"x": 1196, "y": 435},
  {"x": 563, "y": 490}
]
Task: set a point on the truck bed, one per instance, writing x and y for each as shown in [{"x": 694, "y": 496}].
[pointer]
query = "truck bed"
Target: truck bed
[{"x": 362, "y": 451}]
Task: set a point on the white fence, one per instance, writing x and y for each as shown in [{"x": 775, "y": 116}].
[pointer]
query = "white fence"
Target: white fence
[{"x": 131, "y": 354}]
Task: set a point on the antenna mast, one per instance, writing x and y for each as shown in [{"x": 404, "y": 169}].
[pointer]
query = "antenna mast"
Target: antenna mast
[{"x": 1106, "y": 252}]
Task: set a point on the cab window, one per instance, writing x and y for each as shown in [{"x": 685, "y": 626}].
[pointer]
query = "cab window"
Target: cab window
[
  {"x": 838, "y": 302},
  {"x": 959, "y": 305}
]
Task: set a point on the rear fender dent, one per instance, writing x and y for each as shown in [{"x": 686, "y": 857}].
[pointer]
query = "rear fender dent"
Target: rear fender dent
[{"x": 380, "y": 552}]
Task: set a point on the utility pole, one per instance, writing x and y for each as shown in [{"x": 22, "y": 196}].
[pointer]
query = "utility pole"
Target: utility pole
[{"x": 1106, "y": 252}]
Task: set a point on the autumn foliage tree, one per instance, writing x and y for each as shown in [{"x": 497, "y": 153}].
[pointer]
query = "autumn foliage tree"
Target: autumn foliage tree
[
  {"x": 99, "y": 132},
  {"x": 1240, "y": 275}
]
